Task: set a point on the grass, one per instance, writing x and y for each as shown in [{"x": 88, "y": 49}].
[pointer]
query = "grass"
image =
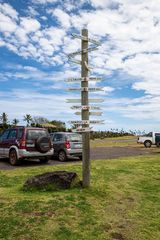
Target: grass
[
  {"x": 127, "y": 141},
  {"x": 123, "y": 202}
]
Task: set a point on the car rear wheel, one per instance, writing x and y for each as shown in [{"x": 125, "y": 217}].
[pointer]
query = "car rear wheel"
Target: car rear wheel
[
  {"x": 62, "y": 156},
  {"x": 80, "y": 157},
  {"x": 13, "y": 159},
  {"x": 147, "y": 144}
]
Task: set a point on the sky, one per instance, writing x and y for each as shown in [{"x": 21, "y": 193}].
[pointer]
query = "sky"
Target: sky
[{"x": 36, "y": 38}]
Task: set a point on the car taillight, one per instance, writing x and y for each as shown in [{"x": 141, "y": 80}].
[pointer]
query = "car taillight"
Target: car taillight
[
  {"x": 22, "y": 144},
  {"x": 67, "y": 144}
]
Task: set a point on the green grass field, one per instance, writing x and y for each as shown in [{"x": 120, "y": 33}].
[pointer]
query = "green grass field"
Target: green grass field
[
  {"x": 123, "y": 202},
  {"x": 127, "y": 141}
]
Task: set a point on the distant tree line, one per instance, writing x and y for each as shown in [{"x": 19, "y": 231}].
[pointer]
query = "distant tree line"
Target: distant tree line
[{"x": 54, "y": 125}]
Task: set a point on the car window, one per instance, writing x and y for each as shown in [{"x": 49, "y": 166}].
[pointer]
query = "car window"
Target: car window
[
  {"x": 58, "y": 137},
  {"x": 33, "y": 134},
  {"x": 4, "y": 135},
  {"x": 149, "y": 134},
  {"x": 12, "y": 134},
  {"x": 157, "y": 134},
  {"x": 74, "y": 137}
]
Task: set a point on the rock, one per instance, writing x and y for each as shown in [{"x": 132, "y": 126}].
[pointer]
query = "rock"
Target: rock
[{"x": 52, "y": 181}]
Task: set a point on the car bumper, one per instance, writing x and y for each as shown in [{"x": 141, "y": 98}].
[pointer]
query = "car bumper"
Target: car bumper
[
  {"x": 26, "y": 154},
  {"x": 74, "y": 152}
]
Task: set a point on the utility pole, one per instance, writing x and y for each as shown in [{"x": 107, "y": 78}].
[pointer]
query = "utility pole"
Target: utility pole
[{"x": 85, "y": 113}]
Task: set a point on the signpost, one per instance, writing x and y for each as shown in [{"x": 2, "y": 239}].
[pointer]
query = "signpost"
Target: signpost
[{"x": 83, "y": 126}]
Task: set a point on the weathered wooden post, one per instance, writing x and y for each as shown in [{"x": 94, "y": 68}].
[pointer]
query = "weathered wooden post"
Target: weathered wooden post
[
  {"x": 85, "y": 108},
  {"x": 85, "y": 112}
]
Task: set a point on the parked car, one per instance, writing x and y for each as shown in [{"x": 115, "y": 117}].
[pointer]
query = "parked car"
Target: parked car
[
  {"x": 67, "y": 144},
  {"x": 25, "y": 143},
  {"x": 149, "y": 139}
]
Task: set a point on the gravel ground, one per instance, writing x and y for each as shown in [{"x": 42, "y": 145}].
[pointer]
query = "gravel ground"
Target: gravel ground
[{"x": 96, "y": 153}]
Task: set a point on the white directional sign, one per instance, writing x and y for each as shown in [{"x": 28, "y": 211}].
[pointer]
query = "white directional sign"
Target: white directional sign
[
  {"x": 93, "y": 100},
  {"x": 82, "y": 130},
  {"x": 85, "y": 89},
  {"x": 83, "y": 79},
  {"x": 90, "y": 113},
  {"x": 87, "y": 122},
  {"x": 86, "y": 107},
  {"x": 97, "y": 121},
  {"x": 79, "y": 122},
  {"x": 86, "y": 39}
]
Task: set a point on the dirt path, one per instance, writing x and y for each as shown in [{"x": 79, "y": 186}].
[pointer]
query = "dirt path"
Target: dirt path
[{"x": 116, "y": 152}]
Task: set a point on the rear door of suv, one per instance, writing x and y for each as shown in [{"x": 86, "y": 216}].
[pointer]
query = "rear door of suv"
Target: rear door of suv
[{"x": 31, "y": 138}]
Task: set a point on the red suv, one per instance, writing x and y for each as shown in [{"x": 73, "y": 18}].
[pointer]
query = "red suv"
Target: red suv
[{"x": 24, "y": 143}]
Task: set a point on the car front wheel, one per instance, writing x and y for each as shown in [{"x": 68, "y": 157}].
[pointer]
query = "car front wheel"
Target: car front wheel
[
  {"x": 13, "y": 159},
  {"x": 147, "y": 144}
]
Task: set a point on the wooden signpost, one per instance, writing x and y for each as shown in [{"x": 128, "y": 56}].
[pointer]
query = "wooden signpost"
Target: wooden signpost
[{"x": 83, "y": 126}]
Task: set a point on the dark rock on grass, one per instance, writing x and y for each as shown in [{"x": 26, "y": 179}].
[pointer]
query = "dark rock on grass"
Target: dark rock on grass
[
  {"x": 117, "y": 236},
  {"x": 52, "y": 181}
]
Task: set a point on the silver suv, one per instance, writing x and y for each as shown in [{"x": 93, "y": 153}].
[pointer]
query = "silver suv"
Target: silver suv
[
  {"x": 24, "y": 143},
  {"x": 66, "y": 145}
]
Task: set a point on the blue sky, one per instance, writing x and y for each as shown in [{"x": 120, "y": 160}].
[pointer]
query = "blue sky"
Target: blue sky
[{"x": 35, "y": 39}]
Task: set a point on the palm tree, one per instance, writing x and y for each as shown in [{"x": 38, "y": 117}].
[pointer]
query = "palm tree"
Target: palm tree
[
  {"x": 15, "y": 122},
  {"x": 28, "y": 119}
]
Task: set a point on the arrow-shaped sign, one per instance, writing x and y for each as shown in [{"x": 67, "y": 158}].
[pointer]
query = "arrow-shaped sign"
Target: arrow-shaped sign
[
  {"x": 86, "y": 89},
  {"x": 90, "y": 113},
  {"x": 83, "y": 79},
  {"x": 82, "y": 129},
  {"x": 86, "y": 107},
  {"x": 87, "y": 122}
]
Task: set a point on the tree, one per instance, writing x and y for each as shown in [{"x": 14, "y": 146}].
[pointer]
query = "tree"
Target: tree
[
  {"x": 27, "y": 118},
  {"x": 15, "y": 122},
  {"x": 4, "y": 120},
  {"x": 39, "y": 120},
  {"x": 61, "y": 126}
]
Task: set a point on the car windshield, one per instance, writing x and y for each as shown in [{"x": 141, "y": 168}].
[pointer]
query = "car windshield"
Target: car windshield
[
  {"x": 148, "y": 134},
  {"x": 74, "y": 137},
  {"x": 33, "y": 134}
]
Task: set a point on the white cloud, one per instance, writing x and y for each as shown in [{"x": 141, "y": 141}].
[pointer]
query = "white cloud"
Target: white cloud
[
  {"x": 63, "y": 17},
  {"x": 7, "y": 24},
  {"x": 36, "y": 104},
  {"x": 30, "y": 25},
  {"x": 8, "y": 10}
]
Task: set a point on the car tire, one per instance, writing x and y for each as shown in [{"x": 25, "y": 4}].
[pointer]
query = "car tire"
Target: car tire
[
  {"x": 80, "y": 157},
  {"x": 43, "y": 144},
  {"x": 62, "y": 157},
  {"x": 13, "y": 159},
  {"x": 147, "y": 144},
  {"x": 158, "y": 144},
  {"x": 44, "y": 160}
]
